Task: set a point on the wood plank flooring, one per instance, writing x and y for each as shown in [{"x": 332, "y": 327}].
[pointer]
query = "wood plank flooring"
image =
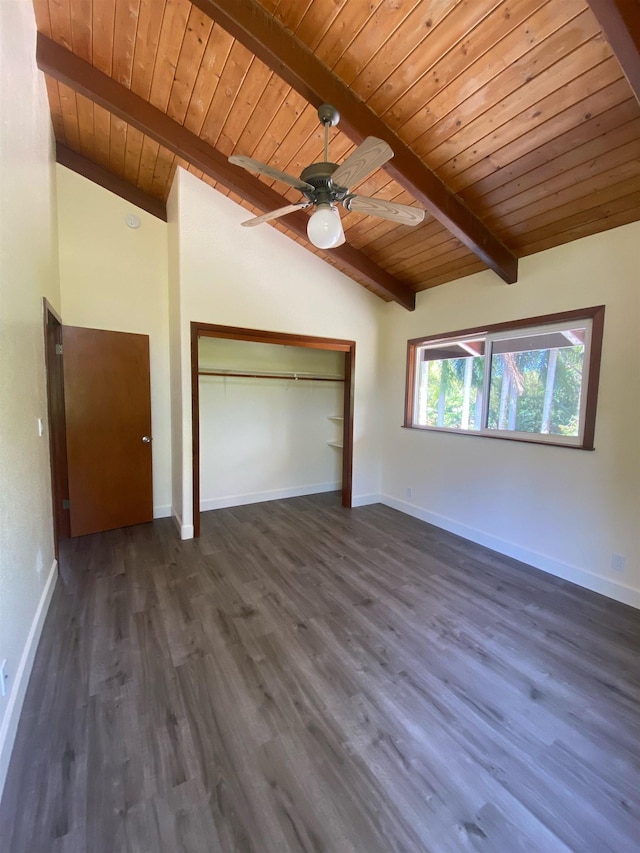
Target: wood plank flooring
[{"x": 309, "y": 678}]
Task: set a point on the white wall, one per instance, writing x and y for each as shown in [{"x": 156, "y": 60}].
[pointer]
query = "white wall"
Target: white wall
[
  {"x": 258, "y": 278},
  {"x": 180, "y": 478},
  {"x": 263, "y": 438},
  {"x": 28, "y": 271},
  {"x": 115, "y": 277},
  {"x": 563, "y": 510}
]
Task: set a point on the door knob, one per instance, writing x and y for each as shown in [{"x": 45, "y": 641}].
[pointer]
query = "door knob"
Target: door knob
[{"x": 147, "y": 439}]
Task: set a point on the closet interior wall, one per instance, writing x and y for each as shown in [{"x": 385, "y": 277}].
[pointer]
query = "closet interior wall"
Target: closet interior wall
[{"x": 270, "y": 421}]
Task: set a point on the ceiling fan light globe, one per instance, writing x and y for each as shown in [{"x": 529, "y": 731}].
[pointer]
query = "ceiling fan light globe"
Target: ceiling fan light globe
[{"x": 324, "y": 228}]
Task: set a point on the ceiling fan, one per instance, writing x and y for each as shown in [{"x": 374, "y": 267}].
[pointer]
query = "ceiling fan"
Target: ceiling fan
[{"x": 324, "y": 185}]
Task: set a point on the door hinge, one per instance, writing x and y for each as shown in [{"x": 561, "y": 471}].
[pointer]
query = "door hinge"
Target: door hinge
[
  {"x": 66, "y": 504},
  {"x": 58, "y": 349}
]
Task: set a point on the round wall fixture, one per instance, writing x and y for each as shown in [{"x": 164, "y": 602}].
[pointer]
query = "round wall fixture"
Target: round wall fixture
[{"x": 132, "y": 220}]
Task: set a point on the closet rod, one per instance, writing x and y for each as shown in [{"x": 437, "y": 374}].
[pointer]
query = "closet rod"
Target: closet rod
[{"x": 295, "y": 376}]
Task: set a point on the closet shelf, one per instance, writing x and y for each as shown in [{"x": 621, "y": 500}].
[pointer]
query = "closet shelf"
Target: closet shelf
[
  {"x": 335, "y": 444},
  {"x": 258, "y": 374}
]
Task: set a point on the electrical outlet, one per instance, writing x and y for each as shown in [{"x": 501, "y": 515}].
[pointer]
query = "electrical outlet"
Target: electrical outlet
[
  {"x": 3, "y": 678},
  {"x": 617, "y": 562},
  {"x": 409, "y": 492}
]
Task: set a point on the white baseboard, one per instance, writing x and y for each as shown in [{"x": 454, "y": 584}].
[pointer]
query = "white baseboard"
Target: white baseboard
[
  {"x": 21, "y": 679},
  {"x": 365, "y": 500},
  {"x": 186, "y": 531},
  {"x": 271, "y": 495},
  {"x": 566, "y": 571},
  {"x": 162, "y": 511}
]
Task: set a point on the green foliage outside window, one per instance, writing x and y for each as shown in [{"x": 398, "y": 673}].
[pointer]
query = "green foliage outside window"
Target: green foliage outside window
[
  {"x": 524, "y": 396},
  {"x": 532, "y": 380},
  {"x": 521, "y": 381},
  {"x": 448, "y": 394}
]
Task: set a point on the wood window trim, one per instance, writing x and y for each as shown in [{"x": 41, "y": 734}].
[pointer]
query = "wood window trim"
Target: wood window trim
[
  {"x": 594, "y": 313},
  {"x": 236, "y": 333}
]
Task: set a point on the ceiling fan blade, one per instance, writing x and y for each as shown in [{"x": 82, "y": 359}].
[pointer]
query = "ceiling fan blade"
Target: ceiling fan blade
[
  {"x": 275, "y": 214},
  {"x": 391, "y": 210},
  {"x": 364, "y": 160},
  {"x": 269, "y": 171}
]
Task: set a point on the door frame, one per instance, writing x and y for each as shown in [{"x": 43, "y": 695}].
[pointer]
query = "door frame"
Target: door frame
[
  {"x": 54, "y": 376},
  {"x": 209, "y": 330}
]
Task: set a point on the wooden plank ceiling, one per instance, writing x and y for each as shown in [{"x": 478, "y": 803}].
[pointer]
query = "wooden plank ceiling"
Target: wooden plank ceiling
[{"x": 516, "y": 118}]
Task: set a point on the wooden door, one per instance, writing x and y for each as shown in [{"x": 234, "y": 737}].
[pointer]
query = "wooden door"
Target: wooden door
[{"x": 108, "y": 418}]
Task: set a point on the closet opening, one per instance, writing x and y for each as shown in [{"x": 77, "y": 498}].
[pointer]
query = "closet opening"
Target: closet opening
[{"x": 272, "y": 413}]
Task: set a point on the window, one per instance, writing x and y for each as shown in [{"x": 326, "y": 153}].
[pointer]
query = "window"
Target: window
[{"x": 530, "y": 380}]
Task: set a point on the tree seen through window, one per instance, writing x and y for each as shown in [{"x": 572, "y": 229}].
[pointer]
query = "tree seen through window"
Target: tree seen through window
[{"x": 508, "y": 380}]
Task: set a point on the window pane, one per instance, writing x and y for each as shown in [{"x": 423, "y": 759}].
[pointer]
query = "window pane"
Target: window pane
[
  {"x": 536, "y": 383},
  {"x": 530, "y": 380},
  {"x": 449, "y": 392}
]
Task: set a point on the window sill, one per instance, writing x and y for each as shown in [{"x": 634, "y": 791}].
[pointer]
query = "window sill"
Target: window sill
[{"x": 523, "y": 439}]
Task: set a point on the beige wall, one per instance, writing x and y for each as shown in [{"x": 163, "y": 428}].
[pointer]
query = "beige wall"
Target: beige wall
[
  {"x": 563, "y": 510},
  {"x": 115, "y": 277},
  {"x": 28, "y": 271},
  {"x": 178, "y": 414},
  {"x": 258, "y": 278}
]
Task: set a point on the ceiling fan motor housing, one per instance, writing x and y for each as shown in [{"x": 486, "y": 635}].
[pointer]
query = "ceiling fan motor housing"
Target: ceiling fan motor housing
[{"x": 324, "y": 191}]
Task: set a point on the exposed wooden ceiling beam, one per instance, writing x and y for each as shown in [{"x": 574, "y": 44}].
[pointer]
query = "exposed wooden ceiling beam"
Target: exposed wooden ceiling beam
[
  {"x": 620, "y": 22},
  {"x": 104, "y": 178},
  {"x": 64, "y": 66},
  {"x": 251, "y": 24}
]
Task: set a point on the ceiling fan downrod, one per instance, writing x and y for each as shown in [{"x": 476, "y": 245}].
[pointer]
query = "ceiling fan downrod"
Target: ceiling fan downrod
[{"x": 329, "y": 117}]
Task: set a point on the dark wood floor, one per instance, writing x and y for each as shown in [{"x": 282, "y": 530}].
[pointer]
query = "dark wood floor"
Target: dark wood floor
[{"x": 309, "y": 678}]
